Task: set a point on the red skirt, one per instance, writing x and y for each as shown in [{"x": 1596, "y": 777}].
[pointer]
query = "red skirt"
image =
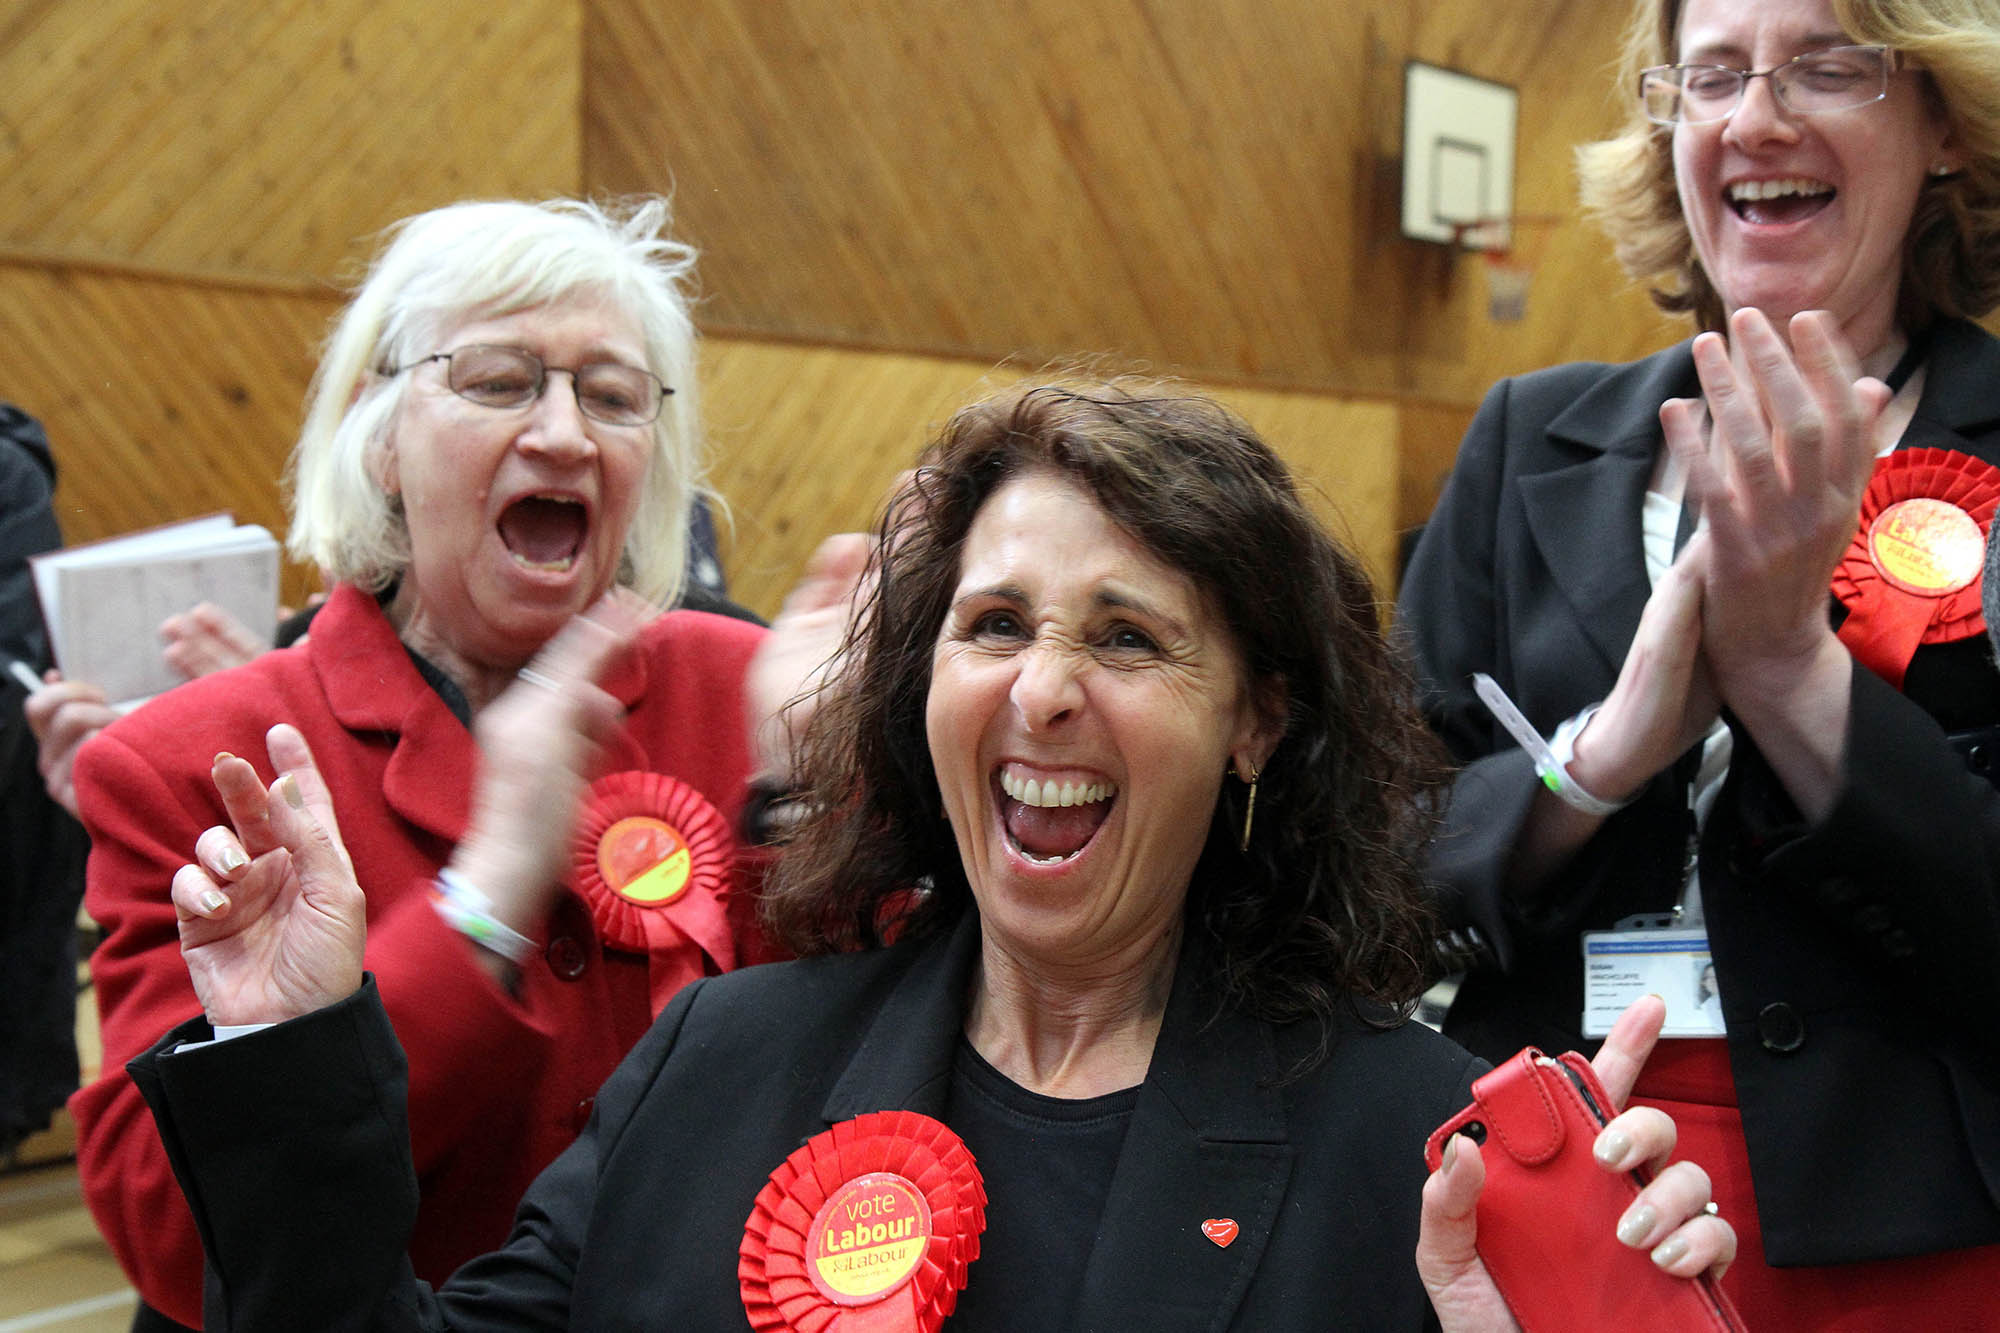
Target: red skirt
[{"x": 1932, "y": 1293}]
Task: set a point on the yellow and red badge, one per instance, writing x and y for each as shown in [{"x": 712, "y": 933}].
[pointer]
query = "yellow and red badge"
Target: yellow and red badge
[
  {"x": 652, "y": 859},
  {"x": 867, "y": 1228},
  {"x": 1911, "y": 574}
]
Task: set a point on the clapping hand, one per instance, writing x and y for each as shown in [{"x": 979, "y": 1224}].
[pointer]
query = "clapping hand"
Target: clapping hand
[
  {"x": 803, "y": 650},
  {"x": 1664, "y": 699},
  {"x": 1779, "y": 479},
  {"x": 539, "y": 744}
]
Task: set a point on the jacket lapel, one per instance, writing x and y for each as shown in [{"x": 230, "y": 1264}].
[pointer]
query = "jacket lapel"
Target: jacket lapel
[
  {"x": 1583, "y": 513},
  {"x": 905, "y": 1060},
  {"x": 1958, "y": 405},
  {"x": 372, "y": 686},
  {"x": 1207, "y": 1144},
  {"x": 1207, "y": 1140}
]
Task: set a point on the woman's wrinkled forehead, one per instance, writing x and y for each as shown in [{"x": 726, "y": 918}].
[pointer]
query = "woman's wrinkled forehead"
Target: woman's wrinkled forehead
[{"x": 1154, "y": 572}]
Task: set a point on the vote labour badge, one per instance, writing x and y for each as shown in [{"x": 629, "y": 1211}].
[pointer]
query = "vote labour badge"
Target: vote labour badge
[
  {"x": 1911, "y": 574},
  {"x": 649, "y": 849},
  {"x": 868, "y": 1228}
]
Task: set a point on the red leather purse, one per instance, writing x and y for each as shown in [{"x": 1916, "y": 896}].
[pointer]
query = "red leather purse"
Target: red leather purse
[{"x": 1548, "y": 1213}]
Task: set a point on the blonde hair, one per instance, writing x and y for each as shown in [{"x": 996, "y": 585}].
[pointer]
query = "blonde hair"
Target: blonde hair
[
  {"x": 1951, "y": 256},
  {"x": 493, "y": 258}
]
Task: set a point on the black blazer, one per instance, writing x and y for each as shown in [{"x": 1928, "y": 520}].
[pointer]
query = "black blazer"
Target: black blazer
[
  {"x": 1859, "y": 960},
  {"x": 302, "y": 1205}
]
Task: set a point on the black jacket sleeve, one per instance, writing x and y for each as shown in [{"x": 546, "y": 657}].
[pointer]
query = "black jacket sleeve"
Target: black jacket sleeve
[{"x": 293, "y": 1148}]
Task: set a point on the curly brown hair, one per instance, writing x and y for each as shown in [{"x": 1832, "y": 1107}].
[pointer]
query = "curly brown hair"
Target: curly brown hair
[
  {"x": 1328, "y": 904},
  {"x": 1951, "y": 256}
]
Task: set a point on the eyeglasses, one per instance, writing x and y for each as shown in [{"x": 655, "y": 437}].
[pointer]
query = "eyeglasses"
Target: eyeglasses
[
  {"x": 511, "y": 377},
  {"x": 1837, "y": 78}
]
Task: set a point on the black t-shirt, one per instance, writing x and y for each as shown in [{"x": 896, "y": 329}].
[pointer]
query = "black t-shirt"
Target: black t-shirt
[{"x": 1047, "y": 1163}]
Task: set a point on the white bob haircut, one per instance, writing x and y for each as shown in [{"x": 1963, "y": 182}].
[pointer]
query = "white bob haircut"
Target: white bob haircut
[{"x": 481, "y": 260}]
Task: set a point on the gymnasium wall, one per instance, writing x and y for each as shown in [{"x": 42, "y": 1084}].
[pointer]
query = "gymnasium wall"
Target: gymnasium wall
[{"x": 896, "y": 202}]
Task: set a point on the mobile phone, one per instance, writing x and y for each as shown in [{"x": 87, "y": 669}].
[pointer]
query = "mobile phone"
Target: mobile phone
[{"x": 1549, "y": 1213}]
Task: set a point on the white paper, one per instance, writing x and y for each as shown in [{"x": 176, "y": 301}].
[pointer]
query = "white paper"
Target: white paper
[{"x": 104, "y": 603}]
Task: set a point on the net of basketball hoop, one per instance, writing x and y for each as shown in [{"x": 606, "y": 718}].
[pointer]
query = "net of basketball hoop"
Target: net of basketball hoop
[{"x": 1510, "y": 250}]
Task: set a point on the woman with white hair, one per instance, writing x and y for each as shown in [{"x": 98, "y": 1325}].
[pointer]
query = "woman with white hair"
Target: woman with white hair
[{"x": 495, "y": 472}]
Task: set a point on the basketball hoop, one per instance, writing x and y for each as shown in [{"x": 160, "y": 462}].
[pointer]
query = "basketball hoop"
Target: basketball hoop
[{"x": 1510, "y": 249}]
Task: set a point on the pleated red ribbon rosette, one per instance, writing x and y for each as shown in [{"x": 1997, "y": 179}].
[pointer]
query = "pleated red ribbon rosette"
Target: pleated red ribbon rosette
[
  {"x": 652, "y": 858},
  {"x": 867, "y": 1228},
  {"x": 1911, "y": 574}
]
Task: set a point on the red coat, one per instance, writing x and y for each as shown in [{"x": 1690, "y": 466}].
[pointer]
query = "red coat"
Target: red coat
[{"x": 498, "y": 1084}]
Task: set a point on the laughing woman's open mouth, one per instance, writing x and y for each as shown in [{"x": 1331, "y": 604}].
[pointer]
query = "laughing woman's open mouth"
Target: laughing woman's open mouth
[{"x": 1049, "y": 821}]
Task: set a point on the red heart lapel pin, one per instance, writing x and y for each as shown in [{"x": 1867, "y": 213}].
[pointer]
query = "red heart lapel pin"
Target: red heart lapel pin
[{"x": 1221, "y": 1230}]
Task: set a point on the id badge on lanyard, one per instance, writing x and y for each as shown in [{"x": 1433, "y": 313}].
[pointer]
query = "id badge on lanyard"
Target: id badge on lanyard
[{"x": 1649, "y": 955}]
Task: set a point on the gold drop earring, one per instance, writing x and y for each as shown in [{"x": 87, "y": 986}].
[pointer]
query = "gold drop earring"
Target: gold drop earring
[{"x": 1249, "y": 811}]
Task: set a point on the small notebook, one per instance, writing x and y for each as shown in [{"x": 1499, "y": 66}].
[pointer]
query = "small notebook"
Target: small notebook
[{"x": 104, "y": 602}]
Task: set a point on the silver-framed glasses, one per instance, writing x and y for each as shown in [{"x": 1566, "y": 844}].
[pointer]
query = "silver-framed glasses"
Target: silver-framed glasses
[
  {"x": 1833, "y": 78},
  {"x": 509, "y": 378}
]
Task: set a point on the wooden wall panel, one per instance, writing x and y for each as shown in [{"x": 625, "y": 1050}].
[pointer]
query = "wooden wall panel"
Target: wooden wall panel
[
  {"x": 1344, "y": 454},
  {"x": 266, "y": 136},
  {"x": 1036, "y": 177},
  {"x": 1204, "y": 188},
  {"x": 1207, "y": 187},
  {"x": 807, "y": 441},
  {"x": 163, "y": 399},
  {"x": 1426, "y": 446}
]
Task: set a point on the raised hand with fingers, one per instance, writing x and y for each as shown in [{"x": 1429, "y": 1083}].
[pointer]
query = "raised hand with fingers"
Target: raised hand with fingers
[
  {"x": 271, "y": 919},
  {"x": 1669, "y": 1217}
]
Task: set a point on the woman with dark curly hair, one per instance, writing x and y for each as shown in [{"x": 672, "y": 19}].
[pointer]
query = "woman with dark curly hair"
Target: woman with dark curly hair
[
  {"x": 1317, "y": 911},
  {"x": 1168, "y": 1019},
  {"x": 1773, "y": 728}
]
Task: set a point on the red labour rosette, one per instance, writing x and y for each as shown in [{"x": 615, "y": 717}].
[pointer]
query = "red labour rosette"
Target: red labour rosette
[
  {"x": 652, "y": 859},
  {"x": 867, "y": 1228},
  {"x": 1911, "y": 574}
]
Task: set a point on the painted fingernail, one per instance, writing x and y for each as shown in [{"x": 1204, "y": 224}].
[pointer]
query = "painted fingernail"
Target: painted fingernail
[
  {"x": 1670, "y": 1251},
  {"x": 1612, "y": 1145},
  {"x": 210, "y": 902},
  {"x": 1635, "y": 1226},
  {"x": 232, "y": 860},
  {"x": 288, "y": 787}
]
